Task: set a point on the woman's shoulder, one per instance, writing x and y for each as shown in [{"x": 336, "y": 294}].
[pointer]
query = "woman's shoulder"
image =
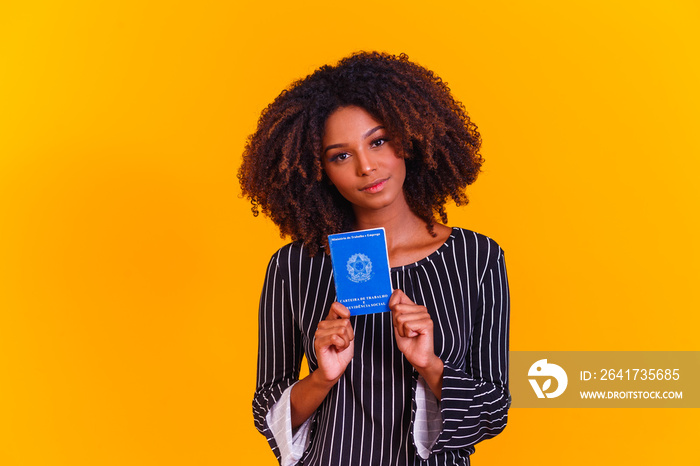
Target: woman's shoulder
[
  {"x": 486, "y": 251},
  {"x": 295, "y": 255}
]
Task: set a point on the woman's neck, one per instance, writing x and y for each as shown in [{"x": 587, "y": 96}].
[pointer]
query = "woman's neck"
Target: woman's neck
[
  {"x": 407, "y": 237},
  {"x": 400, "y": 223},
  {"x": 399, "y": 228}
]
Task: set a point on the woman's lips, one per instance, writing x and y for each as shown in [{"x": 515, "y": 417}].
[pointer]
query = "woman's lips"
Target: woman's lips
[{"x": 375, "y": 186}]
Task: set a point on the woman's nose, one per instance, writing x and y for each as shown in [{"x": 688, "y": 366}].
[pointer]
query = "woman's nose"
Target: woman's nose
[{"x": 365, "y": 164}]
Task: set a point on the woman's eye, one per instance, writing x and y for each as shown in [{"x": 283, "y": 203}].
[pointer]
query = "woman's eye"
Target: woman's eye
[
  {"x": 340, "y": 157},
  {"x": 378, "y": 142}
]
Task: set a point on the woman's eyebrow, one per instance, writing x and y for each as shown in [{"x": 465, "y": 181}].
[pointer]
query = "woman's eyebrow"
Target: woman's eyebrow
[
  {"x": 364, "y": 136},
  {"x": 333, "y": 146},
  {"x": 371, "y": 131}
]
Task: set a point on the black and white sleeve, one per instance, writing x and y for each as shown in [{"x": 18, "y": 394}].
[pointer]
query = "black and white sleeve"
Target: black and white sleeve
[
  {"x": 475, "y": 397},
  {"x": 279, "y": 352}
]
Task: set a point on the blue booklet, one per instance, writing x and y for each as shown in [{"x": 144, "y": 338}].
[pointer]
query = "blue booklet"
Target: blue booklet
[{"x": 361, "y": 270}]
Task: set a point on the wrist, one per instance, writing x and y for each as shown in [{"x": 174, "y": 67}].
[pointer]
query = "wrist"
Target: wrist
[
  {"x": 321, "y": 382},
  {"x": 433, "y": 364},
  {"x": 307, "y": 395},
  {"x": 432, "y": 373}
]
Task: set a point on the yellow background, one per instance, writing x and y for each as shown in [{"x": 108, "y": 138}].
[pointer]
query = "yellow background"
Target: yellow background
[{"x": 130, "y": 269}]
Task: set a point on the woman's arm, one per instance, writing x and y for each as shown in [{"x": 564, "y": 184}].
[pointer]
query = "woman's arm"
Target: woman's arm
[
  {"x": 335, "y": 347},
  {"x": 475, "y": 397},
  {"x": 280, "y": 350},
  {"x": 282, "y": 402}
]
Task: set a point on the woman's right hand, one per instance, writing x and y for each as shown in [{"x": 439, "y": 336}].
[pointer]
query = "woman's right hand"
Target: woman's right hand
[{"x": 334, "y": 343}]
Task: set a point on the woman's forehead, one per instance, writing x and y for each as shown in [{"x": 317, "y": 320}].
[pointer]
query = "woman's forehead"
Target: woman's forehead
[{"x": 349, "y": 121}]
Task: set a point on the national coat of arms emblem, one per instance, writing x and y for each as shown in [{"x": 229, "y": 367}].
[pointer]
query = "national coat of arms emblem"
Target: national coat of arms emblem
[{"x": 359, "y": 268}]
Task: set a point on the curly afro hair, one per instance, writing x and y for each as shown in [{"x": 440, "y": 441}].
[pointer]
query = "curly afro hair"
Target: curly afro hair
[{"x": 282, "y": 172}]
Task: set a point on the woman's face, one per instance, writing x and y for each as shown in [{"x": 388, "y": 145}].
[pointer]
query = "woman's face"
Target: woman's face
[{"x": 361, "y": 162}]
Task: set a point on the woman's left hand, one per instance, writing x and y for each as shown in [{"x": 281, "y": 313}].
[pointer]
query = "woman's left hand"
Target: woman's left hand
[{"x": 413, "y": 329}]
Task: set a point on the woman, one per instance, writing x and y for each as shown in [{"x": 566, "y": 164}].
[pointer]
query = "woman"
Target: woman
[{"x": 376, "y": 141}]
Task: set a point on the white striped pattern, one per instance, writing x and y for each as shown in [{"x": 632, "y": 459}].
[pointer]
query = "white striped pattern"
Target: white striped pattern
[{"x": 368, "y": 417}]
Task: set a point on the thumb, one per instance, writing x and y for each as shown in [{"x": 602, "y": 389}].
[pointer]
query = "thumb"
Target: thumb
[{"x": 399, "y": 297}]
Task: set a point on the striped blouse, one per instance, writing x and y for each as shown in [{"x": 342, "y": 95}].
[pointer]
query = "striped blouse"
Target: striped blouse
[{"x": 368, "y": 417}]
